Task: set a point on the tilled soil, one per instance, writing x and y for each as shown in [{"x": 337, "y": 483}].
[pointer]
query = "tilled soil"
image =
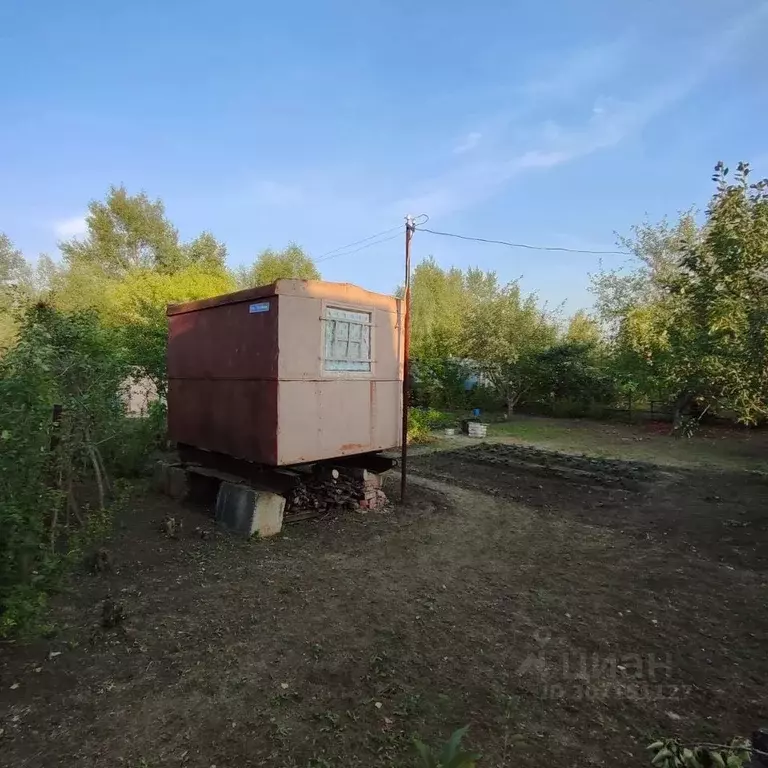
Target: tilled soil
[
  {"x": 568, "y": 611},
  {"x": 724, "y": 514}
]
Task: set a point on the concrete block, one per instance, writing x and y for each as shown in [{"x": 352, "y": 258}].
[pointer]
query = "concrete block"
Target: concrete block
[
  {"x": 177, "y": 483},
  {"x": 160, "y": 476},
  {"x": 247, "y": 511}
]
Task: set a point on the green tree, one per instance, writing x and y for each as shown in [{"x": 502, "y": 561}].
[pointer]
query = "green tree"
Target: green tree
[
  {"x": 582, "y": 329},
  {"x": 206, "y": 252},
  {"x": 45, "y": 274},
  {"x": 695, "y": 331},
  {"x": 439, "y": 305},
  {"x": 14, "y": 270},
  {"x": 657, "y": 250},
  {"x": 15, "y": 288},
  {"x": 125, "y": 232},
  {"x": 719, "y": 324},
  {"x": 636, "y": 307},
  {"x": 270, "y": 265},
  {"x": 136, "y": 307},
  {"x": 75, "y": 362},
  {"x": 571, "y": 371},
  {"x": 504, "y": 333}
]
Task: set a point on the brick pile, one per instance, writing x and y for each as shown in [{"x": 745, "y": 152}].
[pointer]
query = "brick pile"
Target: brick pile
[{"x": 373, "y": 496}]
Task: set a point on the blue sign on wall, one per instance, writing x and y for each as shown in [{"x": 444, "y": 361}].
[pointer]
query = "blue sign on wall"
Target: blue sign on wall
[{"x": 262, "y": 306}]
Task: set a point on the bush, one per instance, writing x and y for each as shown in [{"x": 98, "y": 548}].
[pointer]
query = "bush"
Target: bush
[
  {"x": 421, "y": 422},
  {"x": 63, "y": 435},
  {"x": 138, "y": 436},
  {"x": 441, "y": 383}
]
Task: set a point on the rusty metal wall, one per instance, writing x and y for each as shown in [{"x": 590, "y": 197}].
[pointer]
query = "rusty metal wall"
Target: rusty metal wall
[{"x": 222, "y": 379}]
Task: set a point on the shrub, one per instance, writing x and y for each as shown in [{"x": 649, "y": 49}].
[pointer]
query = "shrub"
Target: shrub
[
  {"x": 670, "y": 753},
  {"x": 441, "y": 383},
  {"x": 63, "y": 434},
  {"x": 421, "y": 422}
]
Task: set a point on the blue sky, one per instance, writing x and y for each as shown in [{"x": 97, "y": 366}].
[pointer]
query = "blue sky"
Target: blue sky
[{"x": 553, "y": 123}]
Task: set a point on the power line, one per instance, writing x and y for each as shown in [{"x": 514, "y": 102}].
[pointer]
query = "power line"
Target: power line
[
  {"x": 362, "y": 247},
  {"x": 524, "y": 245},
  {"x": 327, "y": 254}
]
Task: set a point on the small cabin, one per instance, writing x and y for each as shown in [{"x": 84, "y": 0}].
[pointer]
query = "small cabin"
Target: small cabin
[{"x": 289, "y": 373}]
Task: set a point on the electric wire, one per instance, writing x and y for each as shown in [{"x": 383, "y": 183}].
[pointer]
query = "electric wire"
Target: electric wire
[
  {"x": 329, "y": 254},
  {"x": 361, "y": 248},
  {"x": 524, "y": 245}
]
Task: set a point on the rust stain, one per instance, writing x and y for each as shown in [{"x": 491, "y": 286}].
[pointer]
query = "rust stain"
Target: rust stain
[{"x": 353, "y": 446}]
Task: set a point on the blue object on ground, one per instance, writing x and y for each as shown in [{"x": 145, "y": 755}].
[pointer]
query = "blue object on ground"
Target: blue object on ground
[{"x": 476, "y": 412}]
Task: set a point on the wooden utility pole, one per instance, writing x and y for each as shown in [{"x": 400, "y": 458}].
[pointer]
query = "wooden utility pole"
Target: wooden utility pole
[{"x": 409, "y": 229}]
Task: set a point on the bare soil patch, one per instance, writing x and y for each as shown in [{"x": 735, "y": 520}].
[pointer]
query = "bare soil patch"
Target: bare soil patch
[
  {"x": 723, "y": 514},
  {"x": 557, "y": 610}
]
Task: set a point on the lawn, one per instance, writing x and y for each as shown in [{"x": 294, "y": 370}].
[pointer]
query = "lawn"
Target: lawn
[
  {"x": 726, "y": 447},
  {"x": 568, "y": 609}
]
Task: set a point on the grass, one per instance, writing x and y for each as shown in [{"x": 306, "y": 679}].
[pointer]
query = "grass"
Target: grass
[{"x": 712, "y": 447}]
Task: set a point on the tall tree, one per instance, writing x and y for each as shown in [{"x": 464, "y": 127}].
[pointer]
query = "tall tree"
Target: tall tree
[
  {"x": 439, "y": 304},
  {"x": 719, "y": 329},
  {"x": 124, "y": 232},
  {"x": 206, "y": 252},
  {"x": 504, "y": 333},
  {"x": 46, "y": 272},
  {"x": 270, "y": 265},
  {"x": 570, "y": 371},
  {"x": 582, "y": 329},
  {"x": 657, "y": 250},
  {"x": 15, "y": 286},
  {"x": 14, "y": 270},
  {"x": 137, "y": 304},
  {"x": 696, "y": 331}
]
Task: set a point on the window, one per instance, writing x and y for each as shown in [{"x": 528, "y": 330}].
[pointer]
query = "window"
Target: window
[{"x": 347, "y": 340}]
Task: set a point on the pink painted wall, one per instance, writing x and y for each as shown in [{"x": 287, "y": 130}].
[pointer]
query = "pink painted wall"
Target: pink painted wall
[{"x": 322, "y": 414}]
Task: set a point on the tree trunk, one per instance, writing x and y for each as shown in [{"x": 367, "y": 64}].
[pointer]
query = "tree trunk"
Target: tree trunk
[{"x": 511, "y": 400}]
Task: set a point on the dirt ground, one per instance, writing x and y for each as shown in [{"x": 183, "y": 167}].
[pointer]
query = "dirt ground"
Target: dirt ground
[{"x": 568, "y": 609}]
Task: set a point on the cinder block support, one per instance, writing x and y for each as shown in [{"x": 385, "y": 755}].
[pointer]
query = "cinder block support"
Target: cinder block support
[
  {"x": 160, "y": 476},
  {"x": 247, "y": 511},
  {"x": 177, "y": 483}
]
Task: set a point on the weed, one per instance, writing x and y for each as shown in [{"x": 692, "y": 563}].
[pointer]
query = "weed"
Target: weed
[{"x": 450, "y": 756}]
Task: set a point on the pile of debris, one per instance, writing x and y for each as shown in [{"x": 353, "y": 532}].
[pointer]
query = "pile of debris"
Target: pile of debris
[{"x": 328, "y": 490}]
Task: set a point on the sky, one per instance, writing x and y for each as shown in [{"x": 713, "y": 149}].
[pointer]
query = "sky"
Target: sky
[{"x": 551, "y": 123}]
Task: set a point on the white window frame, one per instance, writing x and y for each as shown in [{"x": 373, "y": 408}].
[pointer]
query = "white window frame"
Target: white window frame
[{"x": 355, "y": 309}]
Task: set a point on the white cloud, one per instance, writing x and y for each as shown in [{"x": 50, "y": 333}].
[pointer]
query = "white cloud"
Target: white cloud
[
  {"x": 468, "y": 143},
  {"x": 551, "y": 146},
  {"x": 581, "y": 69},
  {"x": 606, "y": 124},
  {"x": 72, "y": 227}
]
